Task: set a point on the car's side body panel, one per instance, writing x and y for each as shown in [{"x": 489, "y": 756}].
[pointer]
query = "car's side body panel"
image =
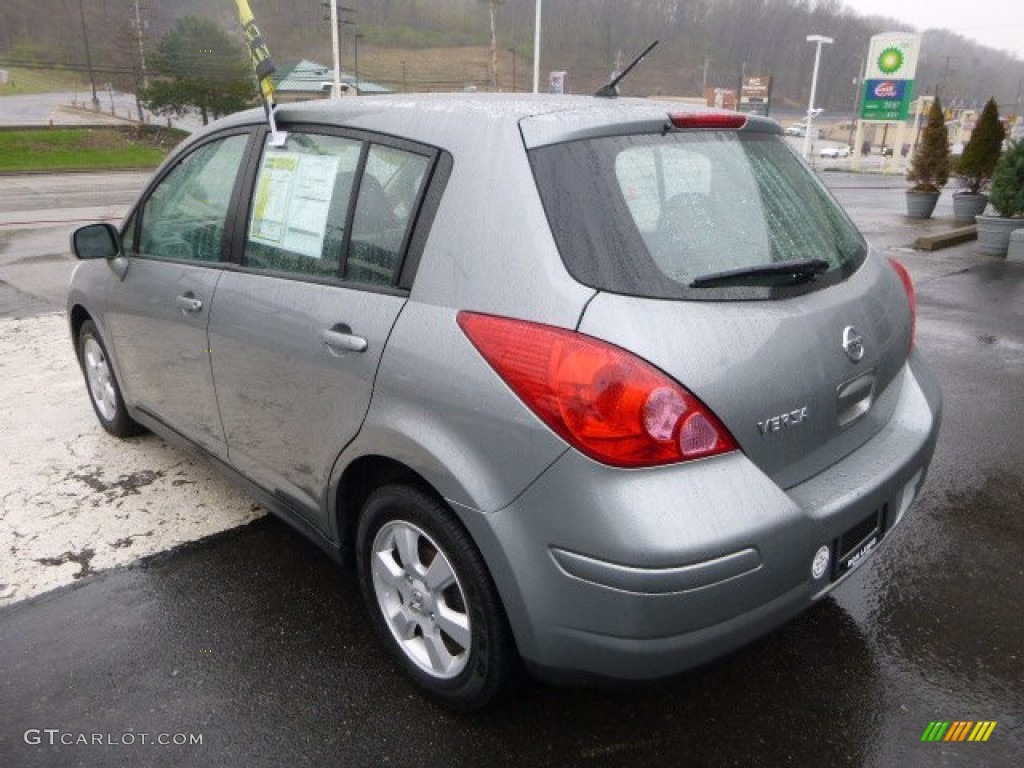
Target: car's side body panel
[
  {"x": 479, "y": 450},
  {"x": 289, "y": 401},
  {"x": 164, "y": 347}
]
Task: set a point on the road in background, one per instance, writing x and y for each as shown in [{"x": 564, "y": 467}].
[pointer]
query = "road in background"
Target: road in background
[
  {"x": 254, "y": 641},
  {"x": 76, "y": 108},
  {"x": 37, "y": 214}
]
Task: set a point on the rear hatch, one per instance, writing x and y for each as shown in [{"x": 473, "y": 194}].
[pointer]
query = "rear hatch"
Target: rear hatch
[{"x": 723, "y": 261}]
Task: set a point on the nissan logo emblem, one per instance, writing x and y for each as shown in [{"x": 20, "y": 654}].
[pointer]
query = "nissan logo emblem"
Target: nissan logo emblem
[{"x": 853, "y": 344}]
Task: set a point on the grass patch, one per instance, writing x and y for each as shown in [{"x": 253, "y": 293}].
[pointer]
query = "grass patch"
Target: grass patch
[
  {"x": 24, "y": 81},
  {"x": 76, "y": 149}
]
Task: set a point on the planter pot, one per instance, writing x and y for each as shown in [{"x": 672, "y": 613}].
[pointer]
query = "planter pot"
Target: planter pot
[
  {"x": 967, "y": 205},
  {"x": 921, "y": 204},
  {"x": 994, "y": 233}
]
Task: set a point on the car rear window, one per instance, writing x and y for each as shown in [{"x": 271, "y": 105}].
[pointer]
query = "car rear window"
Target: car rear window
[{"x": 646, "y": 215}]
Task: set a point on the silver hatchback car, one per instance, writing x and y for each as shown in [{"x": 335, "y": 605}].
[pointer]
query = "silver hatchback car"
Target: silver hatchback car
[{"x": 610, "y": 386}]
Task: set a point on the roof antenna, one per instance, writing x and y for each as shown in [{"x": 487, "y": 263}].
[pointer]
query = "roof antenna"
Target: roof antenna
[{"x": 611, "y": 90}]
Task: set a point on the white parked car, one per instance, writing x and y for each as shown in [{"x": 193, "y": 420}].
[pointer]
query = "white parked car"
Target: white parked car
[{"x": 835, "y": 151}]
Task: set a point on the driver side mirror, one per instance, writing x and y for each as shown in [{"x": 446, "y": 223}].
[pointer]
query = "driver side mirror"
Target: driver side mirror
[{"x": 96, "y": 241}]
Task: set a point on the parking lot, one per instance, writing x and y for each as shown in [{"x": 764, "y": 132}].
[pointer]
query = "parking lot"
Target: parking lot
[{"x": 251, "y": 639}]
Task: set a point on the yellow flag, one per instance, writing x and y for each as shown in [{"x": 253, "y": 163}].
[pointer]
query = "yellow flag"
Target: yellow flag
[{"x": 261, "y": 60}]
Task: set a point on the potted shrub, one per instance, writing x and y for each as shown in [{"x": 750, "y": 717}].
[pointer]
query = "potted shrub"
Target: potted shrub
[
  {"x": 929, "y": 167},
  {"x": 975, "y": 166},
  {"x": 1007, "y": 198}
]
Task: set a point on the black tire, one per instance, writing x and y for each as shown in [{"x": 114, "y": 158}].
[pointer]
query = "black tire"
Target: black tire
[
  {"x": 99, "y": 375},
  {"x": 477, "y": 673}
]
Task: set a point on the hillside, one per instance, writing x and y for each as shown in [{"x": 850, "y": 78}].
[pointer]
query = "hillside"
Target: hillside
[{"x": 445, "y": 43}]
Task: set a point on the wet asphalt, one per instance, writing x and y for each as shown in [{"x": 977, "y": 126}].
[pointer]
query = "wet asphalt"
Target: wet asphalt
[{"x": 254, "y": 641}]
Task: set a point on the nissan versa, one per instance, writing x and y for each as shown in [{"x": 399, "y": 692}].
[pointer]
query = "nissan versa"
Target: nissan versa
[{"x": 608, "y": 385}]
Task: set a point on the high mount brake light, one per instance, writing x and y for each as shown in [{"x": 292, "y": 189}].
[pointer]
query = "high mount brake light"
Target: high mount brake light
[
  {"x": 908, "y": 286},
  {"x": 604, "y": 401},
  {"x": 708, "y": 121}
]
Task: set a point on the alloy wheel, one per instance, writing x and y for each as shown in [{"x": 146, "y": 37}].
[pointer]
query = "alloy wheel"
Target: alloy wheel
[{"x": 422, "y": 601}]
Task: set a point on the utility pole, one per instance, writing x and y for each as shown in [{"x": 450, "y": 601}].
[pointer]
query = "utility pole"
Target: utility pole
[
  {"x": 142, "y": 50},
  {"x": 739, "y": 87},
  {"x": 358, "y": 36},
  {"x": 704, "y": 84},
  {"x": 943, "y": 76},
  {"x": 142, "y": 60},
  {"x": 536, "y": 46},
  {"x": 514, "y": 84},
  {"x": 88, "y": 59},
  {"x": 858, "y": 86},
  {"x": 336, "y": 44}
]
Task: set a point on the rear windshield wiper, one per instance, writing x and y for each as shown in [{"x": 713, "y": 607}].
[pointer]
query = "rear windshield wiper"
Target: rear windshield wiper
[{"x": 798, "y": 270}]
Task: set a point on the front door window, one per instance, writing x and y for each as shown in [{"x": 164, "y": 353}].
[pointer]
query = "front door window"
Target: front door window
[{"x": 184, "y": 218}]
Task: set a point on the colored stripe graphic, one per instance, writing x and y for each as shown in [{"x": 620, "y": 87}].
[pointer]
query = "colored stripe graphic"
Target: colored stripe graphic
[
  {"x": 958, "y": 730},
  {"x": 982, "y": 731}
]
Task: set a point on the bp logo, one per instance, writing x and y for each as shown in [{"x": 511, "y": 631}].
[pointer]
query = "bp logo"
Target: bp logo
[{"x": 890, "y": 60}]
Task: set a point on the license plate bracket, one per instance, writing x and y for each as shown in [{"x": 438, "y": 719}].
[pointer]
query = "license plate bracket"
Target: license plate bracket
[{"x": 857, "y": 542}]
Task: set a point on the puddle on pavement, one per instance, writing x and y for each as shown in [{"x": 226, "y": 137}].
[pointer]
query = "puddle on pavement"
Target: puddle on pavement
[{"x": 946, "y": 595}]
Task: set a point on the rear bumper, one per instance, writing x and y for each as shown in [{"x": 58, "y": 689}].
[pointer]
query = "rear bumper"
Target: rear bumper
[{"x": 642, "y": 574}]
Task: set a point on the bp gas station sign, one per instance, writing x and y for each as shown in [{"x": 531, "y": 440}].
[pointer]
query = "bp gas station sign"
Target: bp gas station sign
[{"x": 889, "y": 77}]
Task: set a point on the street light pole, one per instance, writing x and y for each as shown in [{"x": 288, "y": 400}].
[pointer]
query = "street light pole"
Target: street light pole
[
  {"x": 819, "y": 40},
  {"x": 514, "y": 85}
]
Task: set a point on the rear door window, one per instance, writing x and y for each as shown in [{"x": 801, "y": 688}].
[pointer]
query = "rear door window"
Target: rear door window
[
  {"x": 334, "y": 207},
  {"x": 647, "y": 215},
  {"x": 301, "y": 203},
  {"x": 388, "y": 195}
]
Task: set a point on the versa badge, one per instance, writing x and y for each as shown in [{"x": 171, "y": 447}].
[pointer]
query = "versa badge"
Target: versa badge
[{"x": 782, "y": 421}]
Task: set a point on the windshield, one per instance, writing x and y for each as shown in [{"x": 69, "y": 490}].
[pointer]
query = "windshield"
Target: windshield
[{"x": 649, "y": 215}]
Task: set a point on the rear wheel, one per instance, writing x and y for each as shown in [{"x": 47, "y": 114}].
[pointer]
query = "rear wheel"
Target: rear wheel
[
  {"x": 104, "y": 391},
  {"x": 431, "y": 598}
]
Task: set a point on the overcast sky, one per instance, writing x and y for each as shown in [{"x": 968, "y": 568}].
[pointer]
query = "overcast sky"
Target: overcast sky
[{"x": 996, "y": 23}]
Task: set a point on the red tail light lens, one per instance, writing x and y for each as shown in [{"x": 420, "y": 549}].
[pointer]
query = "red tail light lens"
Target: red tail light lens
[
  {"x": 908, "y": 286},
  {"x": 707, "y": 121},
  {"x": 604, "y": 401}
]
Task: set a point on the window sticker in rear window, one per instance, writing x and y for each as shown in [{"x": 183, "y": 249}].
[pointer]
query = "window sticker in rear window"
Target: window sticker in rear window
[
  {"x": 300, "y": 205},
  {"x": 293, "y": 197}
]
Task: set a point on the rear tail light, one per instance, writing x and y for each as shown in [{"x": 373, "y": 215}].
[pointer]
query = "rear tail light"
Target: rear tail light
[
  {"x": 604, "y": 401},
  {"x": 908, "y": 286}
]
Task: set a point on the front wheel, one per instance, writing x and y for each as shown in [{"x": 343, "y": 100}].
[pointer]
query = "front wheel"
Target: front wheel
[
  {"x": 104, "y": 391},
  {"x": 431, "y": 597}
]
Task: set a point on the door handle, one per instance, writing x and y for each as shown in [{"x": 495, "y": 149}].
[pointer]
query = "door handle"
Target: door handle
[
  {"x": 188, "y": 304},
  {"x": 340, "y": 340}
]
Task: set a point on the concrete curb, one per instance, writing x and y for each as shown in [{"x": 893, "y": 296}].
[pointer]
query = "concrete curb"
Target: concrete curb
[{"x": 946, "y": 239}]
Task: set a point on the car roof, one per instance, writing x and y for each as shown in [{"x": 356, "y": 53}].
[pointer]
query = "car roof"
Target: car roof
[{"x": 452, "y": 119}]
